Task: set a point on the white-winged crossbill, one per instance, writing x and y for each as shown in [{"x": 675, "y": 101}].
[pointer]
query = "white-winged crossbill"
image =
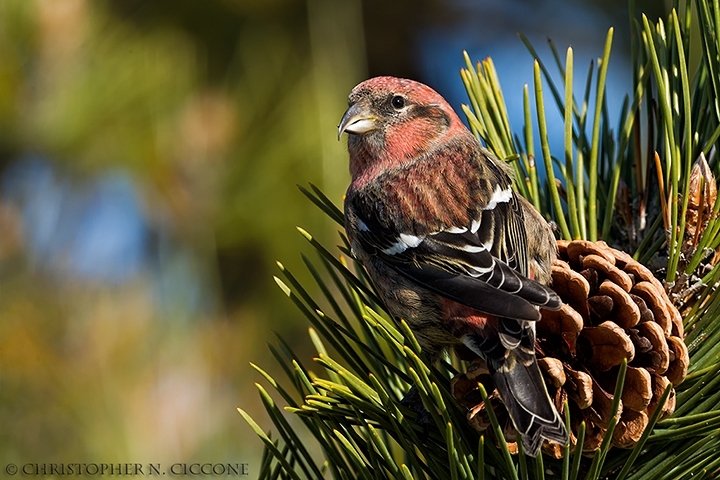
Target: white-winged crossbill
[{"x": 450, "y": 247}]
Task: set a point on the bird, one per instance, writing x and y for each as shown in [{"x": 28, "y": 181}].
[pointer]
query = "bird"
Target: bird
[{"x": 449, "y": 245}]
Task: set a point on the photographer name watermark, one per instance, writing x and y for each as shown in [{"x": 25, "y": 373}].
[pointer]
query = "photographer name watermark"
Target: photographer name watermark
[{"x": 180, "y": 469}]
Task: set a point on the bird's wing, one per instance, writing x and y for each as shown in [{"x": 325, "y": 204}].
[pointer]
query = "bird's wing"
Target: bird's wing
[{"x": 464, "y": 242}]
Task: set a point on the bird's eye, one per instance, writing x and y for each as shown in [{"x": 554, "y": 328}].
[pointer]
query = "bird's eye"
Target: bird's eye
[{"x": 398, "y": 102}]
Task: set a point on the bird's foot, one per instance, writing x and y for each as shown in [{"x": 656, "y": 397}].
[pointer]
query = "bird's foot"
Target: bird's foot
[{"x": 413, "y": 402}]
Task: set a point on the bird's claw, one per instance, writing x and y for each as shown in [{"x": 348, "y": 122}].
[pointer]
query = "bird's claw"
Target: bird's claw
[{"x": 413, "y": 402}]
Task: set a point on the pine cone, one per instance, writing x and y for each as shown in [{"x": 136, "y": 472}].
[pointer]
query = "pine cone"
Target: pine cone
[
  {"x": 702, "y": 195},
  {"x": 614, "y": 309}
]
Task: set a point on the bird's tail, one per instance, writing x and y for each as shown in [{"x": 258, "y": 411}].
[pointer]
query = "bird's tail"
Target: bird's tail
[{"x": 522, "y": 389}]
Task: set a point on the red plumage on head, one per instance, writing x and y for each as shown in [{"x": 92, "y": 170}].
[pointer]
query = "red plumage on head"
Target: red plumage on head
[
  {"x": 419, "y": 91},
  {"x": 399, "y": 135}
]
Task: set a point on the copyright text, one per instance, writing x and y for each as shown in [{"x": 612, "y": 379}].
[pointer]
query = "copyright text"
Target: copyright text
[{"x": 128, "y": 469}]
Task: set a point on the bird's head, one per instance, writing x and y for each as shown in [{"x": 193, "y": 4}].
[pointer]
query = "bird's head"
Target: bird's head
[{"x": 392, "y": 120}]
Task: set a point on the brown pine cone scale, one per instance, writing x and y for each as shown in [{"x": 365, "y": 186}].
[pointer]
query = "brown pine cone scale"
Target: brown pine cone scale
[{"x": 614, "y": 309}]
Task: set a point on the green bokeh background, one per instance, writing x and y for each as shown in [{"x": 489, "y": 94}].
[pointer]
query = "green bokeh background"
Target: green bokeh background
[{"x": 215, "y": 110}]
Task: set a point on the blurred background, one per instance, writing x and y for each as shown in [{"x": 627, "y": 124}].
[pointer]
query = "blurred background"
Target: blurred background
[{"x": 149, "y": 157}]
